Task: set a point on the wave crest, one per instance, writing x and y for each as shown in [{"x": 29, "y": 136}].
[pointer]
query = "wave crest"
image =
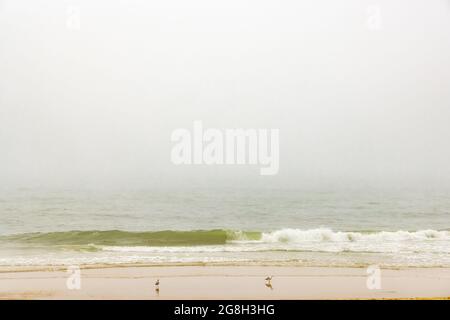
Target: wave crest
[{"x": 328, "y": 235}]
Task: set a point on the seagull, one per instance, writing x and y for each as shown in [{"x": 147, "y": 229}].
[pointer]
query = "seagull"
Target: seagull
[
  {"x": 157, "y": 283},
  {"x": 268, "y": 279}
]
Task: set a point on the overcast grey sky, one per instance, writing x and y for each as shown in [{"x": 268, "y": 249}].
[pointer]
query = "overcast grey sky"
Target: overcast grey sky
[{"x": 96, "y": 106}]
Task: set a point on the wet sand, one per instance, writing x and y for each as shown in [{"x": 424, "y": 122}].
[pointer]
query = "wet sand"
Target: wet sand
[{"x": 222, "y": 282}]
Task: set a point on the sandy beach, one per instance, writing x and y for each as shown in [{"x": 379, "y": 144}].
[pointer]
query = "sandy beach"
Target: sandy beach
[{"x": 223, "y": 282}]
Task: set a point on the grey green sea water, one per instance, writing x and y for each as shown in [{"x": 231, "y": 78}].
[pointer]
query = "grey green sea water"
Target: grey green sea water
[{"x": 225, "y": 225}]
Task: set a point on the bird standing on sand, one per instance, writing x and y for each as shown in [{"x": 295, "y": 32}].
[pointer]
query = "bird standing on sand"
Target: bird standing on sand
[
  {"x": 268, "y": 282},
  {"x": 157, "y": 287}
]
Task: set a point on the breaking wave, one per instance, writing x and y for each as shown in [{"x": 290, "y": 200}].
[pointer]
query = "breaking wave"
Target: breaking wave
[
  {"x": 313, "y": 246},
  {"x": 169, "y": 238}
]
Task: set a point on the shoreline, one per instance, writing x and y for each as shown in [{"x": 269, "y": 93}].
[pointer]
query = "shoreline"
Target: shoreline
[
  {"x": 231, "y": 264},
  {"x": 222, "y": 282}
]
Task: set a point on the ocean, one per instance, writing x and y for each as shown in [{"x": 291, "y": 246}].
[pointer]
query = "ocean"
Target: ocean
[{"x": 225, "y": 226}]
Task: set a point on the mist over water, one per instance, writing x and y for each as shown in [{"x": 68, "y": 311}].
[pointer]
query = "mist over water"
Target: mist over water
[{"x": 95, "y": 107}]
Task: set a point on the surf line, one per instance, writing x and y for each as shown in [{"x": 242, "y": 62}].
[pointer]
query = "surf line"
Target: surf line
[{"x": 227, "y": 147}]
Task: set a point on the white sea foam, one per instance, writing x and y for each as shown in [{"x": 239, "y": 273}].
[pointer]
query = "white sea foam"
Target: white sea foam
[{"x": 327, "y": 235}]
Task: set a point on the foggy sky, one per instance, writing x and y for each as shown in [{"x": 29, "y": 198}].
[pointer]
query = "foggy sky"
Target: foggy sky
[{"x": 96, "y": 106}]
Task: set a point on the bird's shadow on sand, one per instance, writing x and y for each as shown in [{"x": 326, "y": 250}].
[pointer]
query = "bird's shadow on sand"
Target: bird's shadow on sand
[{"x": 269, "y": 285}]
